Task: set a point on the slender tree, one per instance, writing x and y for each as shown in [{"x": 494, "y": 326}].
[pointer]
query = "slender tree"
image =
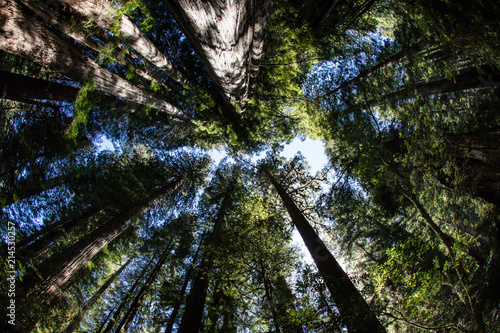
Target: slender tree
[
  {"x": 193, "y": 311},
  {"x": 75, "y": 323},
  {"x": 355, "y": 313}
]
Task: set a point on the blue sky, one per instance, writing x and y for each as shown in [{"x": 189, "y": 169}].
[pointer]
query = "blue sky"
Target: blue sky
[{"x": 312, "y": 150}]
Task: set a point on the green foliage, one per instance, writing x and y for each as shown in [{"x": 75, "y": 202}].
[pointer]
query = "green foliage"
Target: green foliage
[
  {"x": 415, "y": 284},
  {"x": 83, "y": 106}
]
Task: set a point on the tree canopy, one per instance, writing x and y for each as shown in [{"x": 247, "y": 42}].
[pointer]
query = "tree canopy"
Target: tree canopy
[{"x": 149, "y": 234}]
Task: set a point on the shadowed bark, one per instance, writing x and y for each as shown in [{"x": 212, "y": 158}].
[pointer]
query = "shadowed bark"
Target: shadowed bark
[
  {"x": 61, "y": 267},
  {"x": 228, "y": 38},
  {"x": 193, "y": 312},
  {"x": 182, "y": 292},
  {"x": 23, "y": 88},
  {"x": 21, "y": 35},
  {"x": 106, "y": 16},
  {"x": 355, "y": 313},
  {"x": 90, "y": 303}
]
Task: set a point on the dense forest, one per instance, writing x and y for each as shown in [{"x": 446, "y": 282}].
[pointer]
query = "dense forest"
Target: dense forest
[{"x": 151, "y": 235}]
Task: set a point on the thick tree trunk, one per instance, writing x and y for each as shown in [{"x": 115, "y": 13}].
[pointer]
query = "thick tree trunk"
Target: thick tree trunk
[
  {"x": 193, "y": 311},
  {"x": 228, "y": 38},
  {"x": 44, "y": 14},
  {"x": 106, "y": 16},
  {"x": 22, "y": 88},
  {"x": 75, "y": 323},
  {"x": 22, "y": 36},
  {"x": 61, "y": 267},
  {"x": 29, "y": 248},
  {"x": 355, "y": 313}
]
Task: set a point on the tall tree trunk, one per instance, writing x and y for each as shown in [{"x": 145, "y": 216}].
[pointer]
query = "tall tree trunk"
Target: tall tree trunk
[
  {"x": 75, "y": 323},
  {"x": 77, "y": 33},
  {"x": 61, "y": 267},
  {"x": 23, "y": 88},
  {"x": 182, "y": 292},
  {"x": 46, "y": 236},
  {"x": 124, "y": 301},
  {"x": 387, "y": 62},
  {"x": 228, "y": 38},
  {"x": 106, "y": 16},
  {"x": 193, "y": 311},
  {"x": 139, "y": 298},
  {"x": 448, "y": 242},
  {"x": 23, "y": 36},
  {"x": 355, "y": 313},
  {"x": 471, "y": 78}
]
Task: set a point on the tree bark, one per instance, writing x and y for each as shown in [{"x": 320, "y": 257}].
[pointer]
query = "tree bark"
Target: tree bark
[
  {"x": 75, "y": 323},
  {"x": 228, "y": 38},
  {"x": 355, "y": 313},
  {"x": 139, "y": 298},
  {"x": 178, "y": 303},
  {"x": 33, "y": 247},
  {"x": 193, "y": 311},
  {"x": 22, "y": 36},
  {"x": 45, "y": 15},
  {"x": 61, "y": 267},
  {"x": 21, "y": 88},
  {"x": 125, "y": 300},
  {"x": 106, "y": 16}
]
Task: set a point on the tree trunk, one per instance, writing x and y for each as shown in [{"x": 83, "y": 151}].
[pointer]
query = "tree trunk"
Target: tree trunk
[
  {"x": 193, "y": 311},
  {"x": 45, "y": 15},
  {"x": 61, "y": 267},
  {"x": 178, "y": 303},
  {"x": 470, "y": 78},
  {"x": 139, "y": 298},
  {"x": 387, "y": 62},
  {"x": 32, "y": 248},
  {"x": 447, "y": 241},
  {"x": 124, "y": 301},
  {"x": 23, "y": 36},
  {"x": 355, "y": 313},
  {"x": 23, "y": 88},
  {"x": 106, "y": 16},
  {"x": 228, "y": 38},
  {"x": 75, "y": 323}
]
